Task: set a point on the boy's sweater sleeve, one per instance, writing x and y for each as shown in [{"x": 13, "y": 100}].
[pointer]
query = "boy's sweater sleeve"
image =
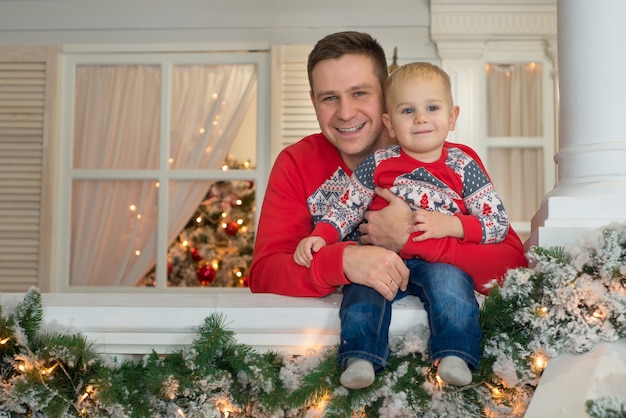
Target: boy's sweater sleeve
[
  {"x": 327, "y": 231},
  {"x": 486, "y": 204}
]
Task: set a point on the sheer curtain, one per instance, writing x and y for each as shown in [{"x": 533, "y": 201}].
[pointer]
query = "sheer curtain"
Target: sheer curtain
[
  {"x": 116, "y": 128},
  {"x": 514, "y": 112}
]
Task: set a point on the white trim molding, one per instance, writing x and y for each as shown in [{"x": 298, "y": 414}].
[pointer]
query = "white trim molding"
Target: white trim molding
[
  {"x": 492, "y": 19},
  {"x": 130, "y": 325}
]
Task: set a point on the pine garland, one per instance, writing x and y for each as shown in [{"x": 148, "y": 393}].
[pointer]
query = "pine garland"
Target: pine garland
[{"x": 569, "y": 301}]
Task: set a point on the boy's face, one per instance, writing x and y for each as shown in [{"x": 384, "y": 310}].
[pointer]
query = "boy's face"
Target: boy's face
[
  {"x": 348, "y": 102},
  {"x": 420, "y": 115}
]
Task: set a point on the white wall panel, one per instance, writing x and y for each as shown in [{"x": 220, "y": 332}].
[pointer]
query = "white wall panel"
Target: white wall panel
[{"x": 401, "y": 23}]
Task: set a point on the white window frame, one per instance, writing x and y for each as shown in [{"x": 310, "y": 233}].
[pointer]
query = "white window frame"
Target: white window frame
[
  {"x": 517, "y": 52},
  {"x": 167, "y": 55}
]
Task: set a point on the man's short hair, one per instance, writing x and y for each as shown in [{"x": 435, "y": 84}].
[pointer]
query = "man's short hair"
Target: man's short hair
[{"x": 339, "y": 44}]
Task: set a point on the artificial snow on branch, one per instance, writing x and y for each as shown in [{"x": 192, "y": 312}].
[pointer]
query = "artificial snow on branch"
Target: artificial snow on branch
[{"x": 569, "y": 301}]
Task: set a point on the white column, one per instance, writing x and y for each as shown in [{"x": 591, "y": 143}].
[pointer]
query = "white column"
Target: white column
[{"x": 591, "y": 187}]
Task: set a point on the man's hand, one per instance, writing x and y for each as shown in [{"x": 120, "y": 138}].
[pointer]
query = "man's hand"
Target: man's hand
[
  {"x": 389, "y": 227},
  {"x": 375, "y": 267}
]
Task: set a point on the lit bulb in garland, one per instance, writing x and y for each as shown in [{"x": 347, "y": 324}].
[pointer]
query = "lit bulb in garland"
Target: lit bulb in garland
[{"x": 540, "y": 362}]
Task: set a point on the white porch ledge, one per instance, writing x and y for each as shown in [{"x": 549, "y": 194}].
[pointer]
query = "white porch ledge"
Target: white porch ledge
[{"x": 136, "y": 324}]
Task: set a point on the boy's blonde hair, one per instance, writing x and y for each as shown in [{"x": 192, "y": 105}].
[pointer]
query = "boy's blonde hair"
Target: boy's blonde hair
[{"x": 417, "y": 70}]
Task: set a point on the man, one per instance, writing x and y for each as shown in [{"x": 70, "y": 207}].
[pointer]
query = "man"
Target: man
[
  {"x": 346, "y": 71},
  {"x": 346, "y": 74}
]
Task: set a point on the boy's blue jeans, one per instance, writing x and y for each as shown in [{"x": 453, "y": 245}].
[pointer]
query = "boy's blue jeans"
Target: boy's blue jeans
[{"x": 448, "y": 296}]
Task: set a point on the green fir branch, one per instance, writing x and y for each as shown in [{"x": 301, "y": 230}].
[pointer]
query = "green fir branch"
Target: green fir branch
[
  {"x": 29, "y": 313},
  {"x": 56, "y": 375},
  {"x": 318, "y": 382},
  {"x": 212, "y": 338},
  {"x": 270, "y": 364},
  {"x": 555, "y": 255},
  {"x": 124, "y": 388},
  {"x": 159, "y": 370},
  {"x": 412, "y": 384}
]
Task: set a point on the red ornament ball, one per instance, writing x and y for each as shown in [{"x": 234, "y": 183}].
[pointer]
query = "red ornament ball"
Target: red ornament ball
[
  {"x": 206, "y": 274},
  {"x": 195, "y": 255},
  {"x": 231, "y": 228}
]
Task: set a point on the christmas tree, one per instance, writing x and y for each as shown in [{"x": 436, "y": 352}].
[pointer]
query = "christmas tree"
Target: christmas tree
[{"x": 215, "y": 246}]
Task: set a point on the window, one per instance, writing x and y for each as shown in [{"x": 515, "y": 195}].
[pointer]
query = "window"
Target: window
[
  {"x": 145, "y": 139},
  {"x": 520, "y": 137}
]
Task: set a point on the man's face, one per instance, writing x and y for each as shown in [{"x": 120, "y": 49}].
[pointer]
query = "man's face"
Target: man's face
[{"x": 348, "y": 101}]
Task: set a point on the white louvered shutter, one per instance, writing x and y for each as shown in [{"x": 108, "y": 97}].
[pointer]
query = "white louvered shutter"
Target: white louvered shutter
[
  {"x": 293, "y": 114},
  {"x": 25, "y": 74}
]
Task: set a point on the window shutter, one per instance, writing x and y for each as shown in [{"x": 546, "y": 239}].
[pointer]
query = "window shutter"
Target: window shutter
[
  {"x": 296, "y": 116},
  {"x": 23, "y": 131}
]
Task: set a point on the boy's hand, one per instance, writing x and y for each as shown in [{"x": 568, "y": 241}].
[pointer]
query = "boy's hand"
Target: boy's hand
[
  {"x": 306, "y": 248},
  {"x": 436, "y": 225}
]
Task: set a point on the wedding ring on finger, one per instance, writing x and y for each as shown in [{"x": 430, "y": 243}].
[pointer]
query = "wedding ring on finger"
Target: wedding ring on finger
[{"x": 389, "y": 282}]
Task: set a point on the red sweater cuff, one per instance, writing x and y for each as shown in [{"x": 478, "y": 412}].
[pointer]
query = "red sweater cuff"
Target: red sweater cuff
[
  {"x": 472, "y": 229},
  {"x": 328, "y": 265},
  {"x": 326, "y": 231}
]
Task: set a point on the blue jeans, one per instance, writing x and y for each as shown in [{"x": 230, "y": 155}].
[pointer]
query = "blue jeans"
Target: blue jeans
[{"x": 448, "y": 296}]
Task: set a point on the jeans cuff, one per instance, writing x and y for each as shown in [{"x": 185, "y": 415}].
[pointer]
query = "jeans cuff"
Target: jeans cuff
[
  {"x": 378, "y": 362},
  {"x": 469, "y": 359}
]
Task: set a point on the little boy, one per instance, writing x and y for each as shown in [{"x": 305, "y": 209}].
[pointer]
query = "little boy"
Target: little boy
[{"x": 464, "y": 241}]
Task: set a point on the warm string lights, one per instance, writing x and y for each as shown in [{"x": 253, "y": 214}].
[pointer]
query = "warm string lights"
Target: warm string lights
[
  {"x": 542, "y": 311},
  {"x": 226, "y": 408},
  {"x": 540, "y": 362},
  {"x": 535, "y": 316},
  {"x": 596, "y": 312},
  {"x": 133, "y": 209},
  {"x": 496, "y": 391},
  {"x": 26, "y": 364}
]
